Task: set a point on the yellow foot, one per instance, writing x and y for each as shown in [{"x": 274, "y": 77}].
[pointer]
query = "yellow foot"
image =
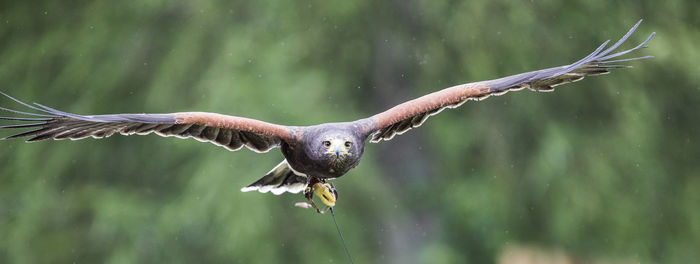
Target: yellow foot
[{"x": 325, "y": 192}]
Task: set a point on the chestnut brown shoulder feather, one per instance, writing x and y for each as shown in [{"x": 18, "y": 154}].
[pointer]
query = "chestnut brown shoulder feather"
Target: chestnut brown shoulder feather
[
  {"x": 405, "y": 116},
  {"x": 231, "y": 132}
]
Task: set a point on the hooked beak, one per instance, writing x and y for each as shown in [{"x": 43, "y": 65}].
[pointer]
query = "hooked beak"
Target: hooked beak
[{"x": 337, "y": 151}]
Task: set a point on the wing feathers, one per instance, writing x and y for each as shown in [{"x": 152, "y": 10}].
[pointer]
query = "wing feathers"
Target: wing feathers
[
  {"x": 228, "y": 131},
  {"x": 224, "y": 137},
  {"x": 279, "y": 180},
  {"x": 403, "y": 117},
  {"x": 22, "y": 125},
  {"x": 23, "y": 118}
]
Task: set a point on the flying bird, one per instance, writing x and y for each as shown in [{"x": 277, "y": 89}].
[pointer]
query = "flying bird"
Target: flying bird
[{"x": 312, "y": 154}]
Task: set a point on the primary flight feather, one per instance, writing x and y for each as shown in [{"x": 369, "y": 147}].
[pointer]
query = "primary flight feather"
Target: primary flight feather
[{"x": 316, "y": 153}]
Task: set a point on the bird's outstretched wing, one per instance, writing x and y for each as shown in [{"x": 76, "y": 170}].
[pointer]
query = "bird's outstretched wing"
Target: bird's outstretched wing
[
  {"x": 405, "y": 116},
  {"x": 231, "y": 132}
]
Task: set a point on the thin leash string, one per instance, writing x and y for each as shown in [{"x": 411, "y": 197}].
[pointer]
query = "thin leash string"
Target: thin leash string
[{"x": 341, "y": 236}]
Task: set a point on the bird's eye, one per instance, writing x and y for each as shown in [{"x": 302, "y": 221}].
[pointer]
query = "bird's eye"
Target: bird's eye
[
  {"x": 326, "y": 143},
  {"x": 348, "y": 144}
]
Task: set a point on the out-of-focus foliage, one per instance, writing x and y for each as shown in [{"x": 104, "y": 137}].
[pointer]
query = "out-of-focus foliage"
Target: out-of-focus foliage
[{"x": 606, "y": 168}]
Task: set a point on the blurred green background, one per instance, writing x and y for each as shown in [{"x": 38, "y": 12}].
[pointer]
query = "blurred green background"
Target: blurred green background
[{"x": 601, "y": 171}]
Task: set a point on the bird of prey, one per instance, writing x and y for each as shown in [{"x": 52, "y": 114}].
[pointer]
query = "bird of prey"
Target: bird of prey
[{"x": 312, "y": 154}]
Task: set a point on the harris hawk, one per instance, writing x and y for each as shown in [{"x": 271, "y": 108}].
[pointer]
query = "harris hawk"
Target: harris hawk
[{"x": 312, "y": 154}]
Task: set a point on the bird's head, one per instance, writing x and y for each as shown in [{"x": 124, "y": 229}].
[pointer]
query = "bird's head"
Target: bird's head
[{"x": 332, "y": 151}]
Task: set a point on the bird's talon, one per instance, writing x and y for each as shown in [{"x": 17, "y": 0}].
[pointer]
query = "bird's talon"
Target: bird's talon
[{"x": 326, "y": 192}]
